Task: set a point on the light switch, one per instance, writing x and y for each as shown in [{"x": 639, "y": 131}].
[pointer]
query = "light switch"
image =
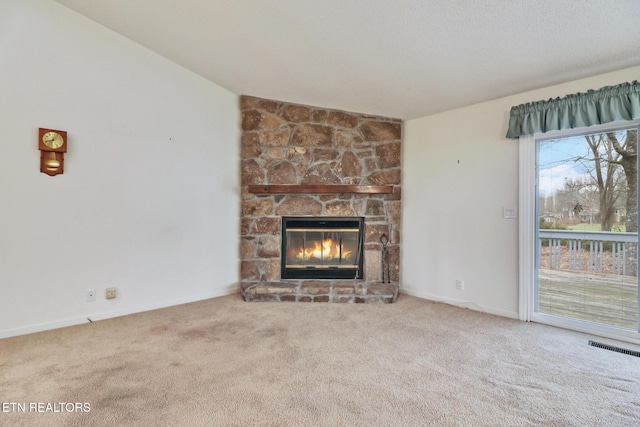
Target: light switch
[{"x": 510, "y": 213}]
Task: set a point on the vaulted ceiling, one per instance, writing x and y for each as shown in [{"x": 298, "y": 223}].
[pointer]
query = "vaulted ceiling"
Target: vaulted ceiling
[{"x": 397, "y": 58}]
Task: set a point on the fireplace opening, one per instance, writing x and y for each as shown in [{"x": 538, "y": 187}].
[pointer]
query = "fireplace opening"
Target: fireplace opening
[{"x": 322, "y": 248}]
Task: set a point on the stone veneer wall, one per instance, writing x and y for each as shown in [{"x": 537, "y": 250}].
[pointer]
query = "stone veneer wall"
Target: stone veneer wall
[{"x": 292, "y": 144}]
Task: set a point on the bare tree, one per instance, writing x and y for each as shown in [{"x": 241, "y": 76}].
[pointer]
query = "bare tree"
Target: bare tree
[
  {"x": 627, "y": 151},
  {"x": 579, "y": 197},
  {"x": 605, "y": 173}
]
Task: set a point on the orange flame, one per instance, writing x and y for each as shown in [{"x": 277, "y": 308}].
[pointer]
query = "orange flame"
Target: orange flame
[{"x": 325, "y": 250}]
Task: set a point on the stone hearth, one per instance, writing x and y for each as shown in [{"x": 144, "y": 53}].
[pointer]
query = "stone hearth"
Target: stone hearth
[{"x": 289, "y": 144}]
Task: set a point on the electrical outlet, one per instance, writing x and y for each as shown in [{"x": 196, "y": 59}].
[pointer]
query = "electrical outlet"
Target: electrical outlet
[
  {"x": 91, "y": 294},
  {"x": 110, "y": 293},
  {"x": 460, "y": 284}
]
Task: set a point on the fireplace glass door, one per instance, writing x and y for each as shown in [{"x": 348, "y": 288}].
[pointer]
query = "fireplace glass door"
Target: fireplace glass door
[{"x": 322, "y": 248}]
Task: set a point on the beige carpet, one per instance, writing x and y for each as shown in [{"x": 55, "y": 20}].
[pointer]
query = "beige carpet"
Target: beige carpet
[{"x": 224, "y": 362}]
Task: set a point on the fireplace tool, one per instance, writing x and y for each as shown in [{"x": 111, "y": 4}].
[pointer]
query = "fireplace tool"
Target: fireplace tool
[{"x": 385, "y": 259}]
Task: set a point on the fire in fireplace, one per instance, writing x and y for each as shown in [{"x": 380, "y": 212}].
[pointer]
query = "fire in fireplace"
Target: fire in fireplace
[{"x": 322, "y": 248}]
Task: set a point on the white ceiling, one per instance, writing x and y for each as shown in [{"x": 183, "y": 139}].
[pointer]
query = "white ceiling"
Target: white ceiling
[{"x": 397, "y": 58}]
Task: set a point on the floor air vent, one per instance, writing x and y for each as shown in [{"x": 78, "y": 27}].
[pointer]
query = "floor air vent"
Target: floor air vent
[{"x": 614, "y": 348}]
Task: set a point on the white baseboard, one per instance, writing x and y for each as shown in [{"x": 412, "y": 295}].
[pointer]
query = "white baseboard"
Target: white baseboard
[
  {"x": 63, "y": 323},
  {"x": 460, "y": 303}
]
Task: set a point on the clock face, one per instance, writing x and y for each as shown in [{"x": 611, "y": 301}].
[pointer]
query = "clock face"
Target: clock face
[{"x": 52, "y": 140}]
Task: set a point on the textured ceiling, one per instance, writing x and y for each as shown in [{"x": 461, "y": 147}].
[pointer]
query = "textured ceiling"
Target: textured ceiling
[{"x": 398, "y": 58}]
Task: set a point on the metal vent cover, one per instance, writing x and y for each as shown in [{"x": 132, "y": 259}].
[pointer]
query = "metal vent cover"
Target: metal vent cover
[{"x": 614, "y": 348}]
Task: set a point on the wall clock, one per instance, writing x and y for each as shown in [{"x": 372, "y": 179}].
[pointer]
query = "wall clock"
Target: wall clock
[{"x": 52, "y": 145}]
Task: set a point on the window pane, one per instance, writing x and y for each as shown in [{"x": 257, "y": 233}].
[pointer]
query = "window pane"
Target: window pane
[{"x": 588, "y": 223}]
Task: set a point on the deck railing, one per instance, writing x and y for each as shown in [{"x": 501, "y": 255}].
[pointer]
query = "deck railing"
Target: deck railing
[{"x": 596, "y": 244}]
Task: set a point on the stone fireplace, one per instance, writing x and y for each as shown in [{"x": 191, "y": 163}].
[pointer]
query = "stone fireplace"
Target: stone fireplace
[{"x": 307, "y": 162}]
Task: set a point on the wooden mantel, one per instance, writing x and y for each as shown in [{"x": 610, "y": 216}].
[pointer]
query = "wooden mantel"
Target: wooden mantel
[{"x": 321, "y": 189}]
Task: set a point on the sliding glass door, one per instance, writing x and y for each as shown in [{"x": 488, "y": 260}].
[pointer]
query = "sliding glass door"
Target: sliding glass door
[{"x": 587, "y": 228}]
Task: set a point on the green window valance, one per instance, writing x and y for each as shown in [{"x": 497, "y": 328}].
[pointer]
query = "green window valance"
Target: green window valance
[{"x": 608, "y": 104}]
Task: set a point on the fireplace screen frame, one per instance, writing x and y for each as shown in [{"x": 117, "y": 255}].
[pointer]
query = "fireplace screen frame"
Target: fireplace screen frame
[{"x": 354, "y": 271}]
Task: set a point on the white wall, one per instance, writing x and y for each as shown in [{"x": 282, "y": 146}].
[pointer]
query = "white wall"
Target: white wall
[
  {"x": 149, "y": 200},
  {"x": 459, "y": 172}
]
